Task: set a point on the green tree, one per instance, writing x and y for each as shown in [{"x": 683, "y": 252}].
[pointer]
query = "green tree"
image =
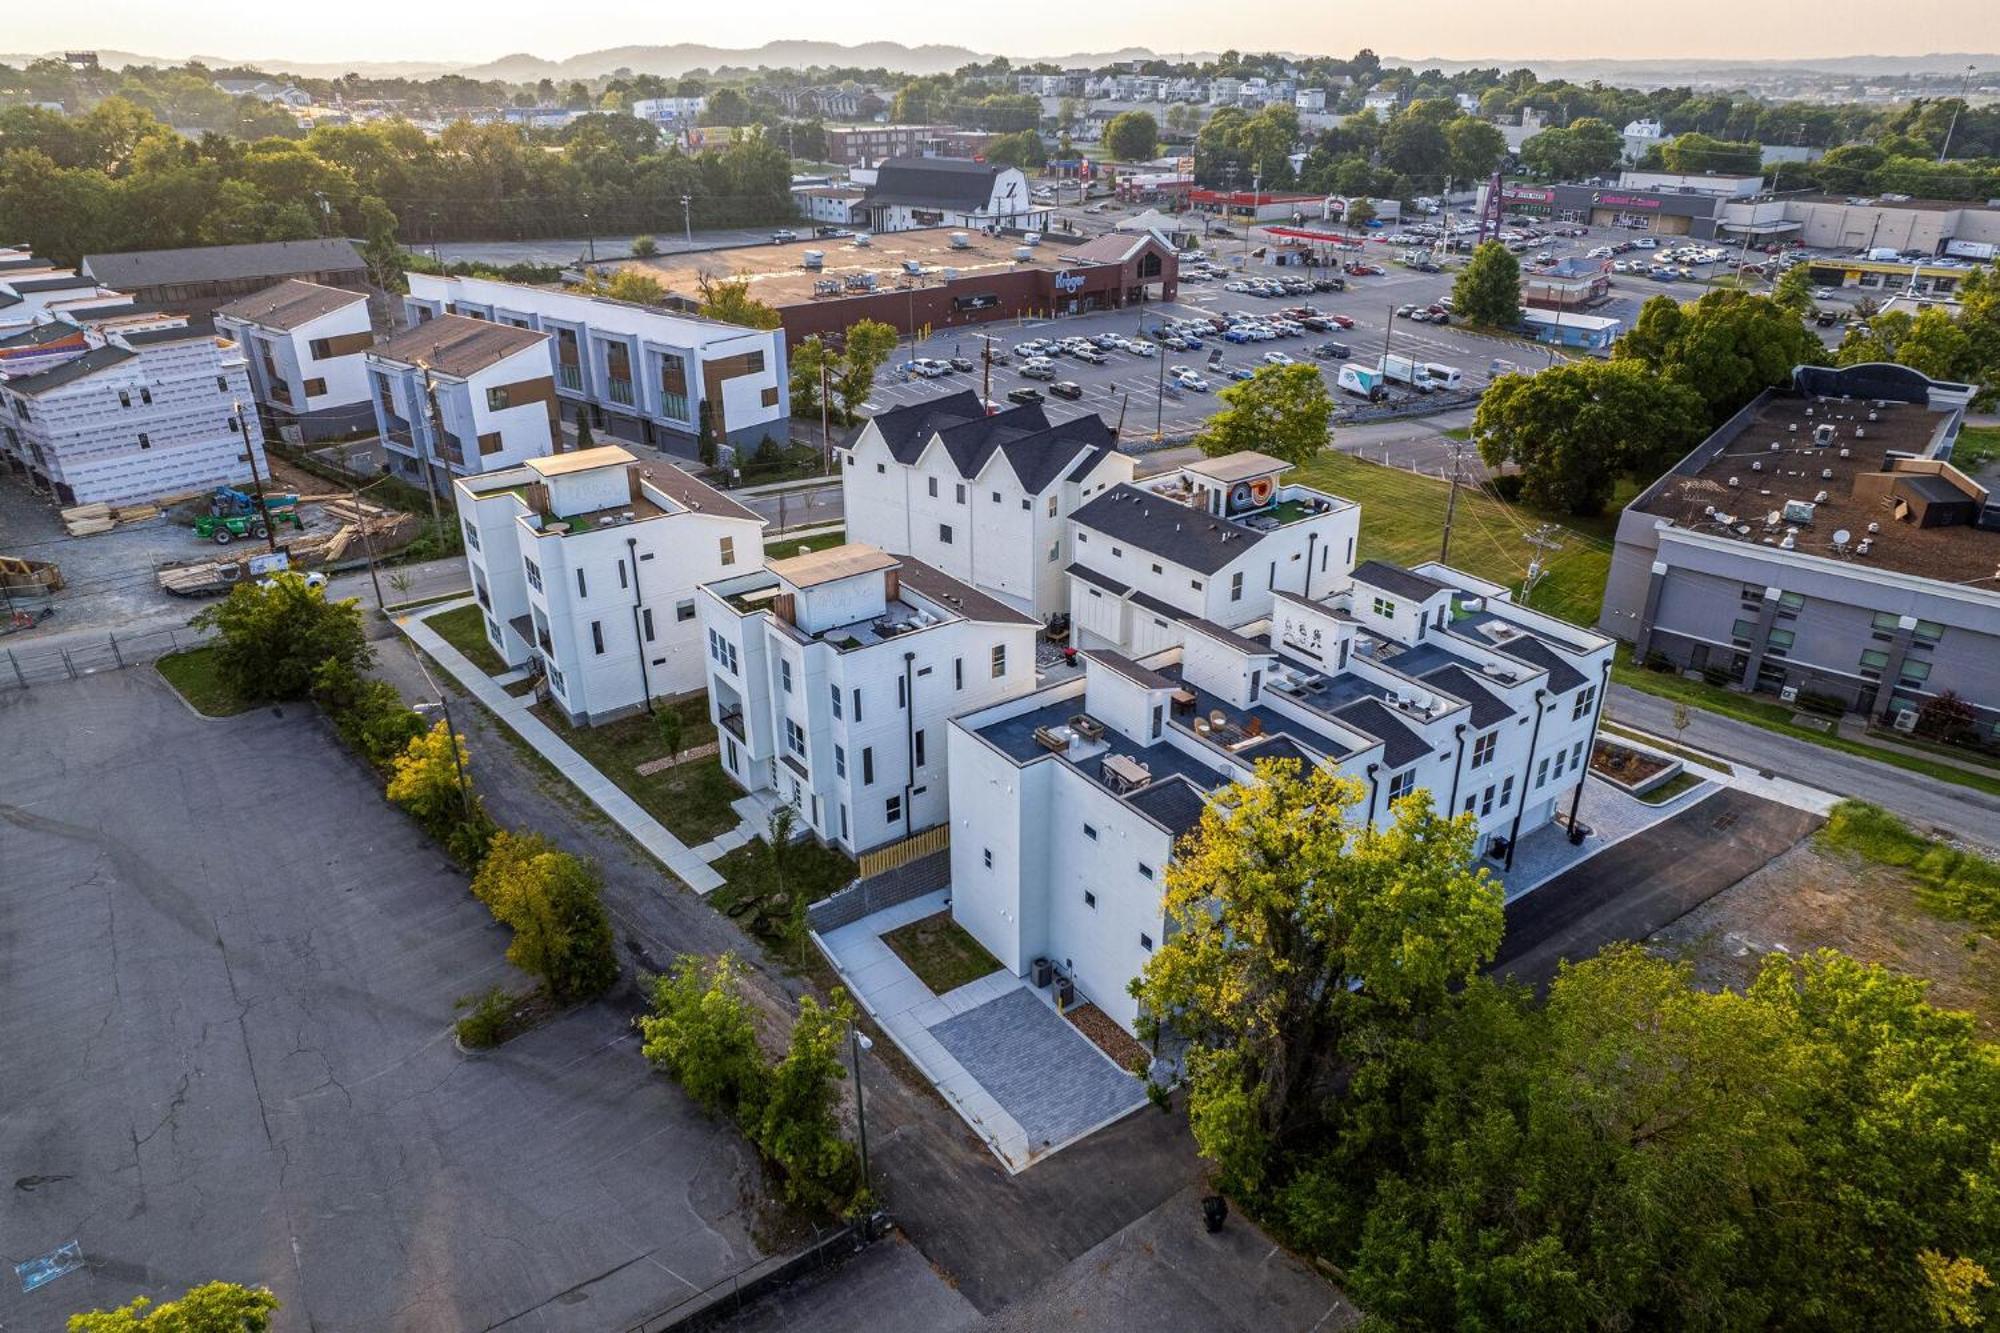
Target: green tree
[
  {"x": 370, "y": 715},
  {"x": 1937, "y": 346},
  {"x": 1574, "y": 429},
  {"x": 1488, "y": 289},
  {"x": 1295, "y": 924},
  {"x": 727, "y": 106},
  {"x": 553, "y": 903},
  {"x": 1415, "y": 145},
  {"x": 1132, "y": 136},
  {"x": 1283, "y": 411},
  {"x": 213, "y": 1307},
  {"x": 270, "y": 641},
  {"x": 1587, "y": 147},
  {"x": 584, "y": 439},
  {"x": 868, "y": 345},
  {"x": 729, "y": 300},
  {"x": 1794, "y": 290},
  {"x": 798, "y": 1130},
  {"x": 1697, "y": 153},
  {"x": 430, "y": 780},
  {"x": 1359, "y": 213},
  {"x": 673, "y": 730},
  {"x": 1476, "y": 147},
  {"x": 701, "y": 1033},
  {"x": 1727, "y": 347},
  {"x": 1023, "y": 149}
]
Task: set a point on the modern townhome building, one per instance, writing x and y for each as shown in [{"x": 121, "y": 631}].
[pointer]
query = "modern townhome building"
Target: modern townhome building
[
  {"x": 645, "y": 375},
  {"x": 832, "y": 677},
  {"x": 986, "y": 499},
  {"x": 1217, "y": 540},
  {"x": 457, "y": 397},
  {"x": 34, "y": 290},
  {"x": 1821, "y": 543},
  {"x": 307, "y": 349},
  {"x": 195, "y": 279},
  {"x": 125, "y": 407},
  {"x": 910, "y": 192},
  {"x": 1067, "y": 804},
  {"x": 587, "y": 564}
]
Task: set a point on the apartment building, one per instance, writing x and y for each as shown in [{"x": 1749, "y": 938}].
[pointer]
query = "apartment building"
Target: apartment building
[
  {"x": 125, "y": 406},
  {"x": 1067, "y": 804},
  {"x": 645, "y": 375},
  {"x": 1216, "y": 540},
  {"x": 832, "y": 677},
  {"x": 1821, "y": 542},
  {"x": 986, "y": 499},
  {"x": 457, "y": 397},
  {"x": 307, "y": 346},
  {"x": 587, "y": 565}
]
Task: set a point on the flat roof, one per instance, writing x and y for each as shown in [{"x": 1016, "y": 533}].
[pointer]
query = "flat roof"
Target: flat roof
[
  {"x": 777, "y": 275},
  {"x": 581, "y": 460},
  {"x": 1239, "y": 466},
  {"x": 1954, "y": 554},
  {"x": 836, "y": 562}
]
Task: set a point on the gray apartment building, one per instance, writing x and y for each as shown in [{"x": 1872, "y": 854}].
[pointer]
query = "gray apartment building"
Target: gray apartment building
[{"x": 1821, "y": 542}]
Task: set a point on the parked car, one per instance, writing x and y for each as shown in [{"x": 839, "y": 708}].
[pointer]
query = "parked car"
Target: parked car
[
  {"x": 1025, "y": 397},
  {"x": 1140, "y": 347},
  {"x": 1242, "y": 373},
  {"x": 961, "y": 363},
  {"x": 1333, "y": 351},
  {"x": 1277, "y": 359},
  {"x": 1341, "y": 321},
  {"x": 1091, "y": 356},
  {"x": 782, "y": 235},
  {"x": 1192, "y": 383},
  {"x": 1041, "y": 368},
  {"x": 1066, "y": 389},
  {"x": 1405, "y": 311}
]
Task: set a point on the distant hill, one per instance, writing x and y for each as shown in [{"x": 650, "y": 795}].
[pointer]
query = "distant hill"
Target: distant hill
[{"x": 679, "y": 58}]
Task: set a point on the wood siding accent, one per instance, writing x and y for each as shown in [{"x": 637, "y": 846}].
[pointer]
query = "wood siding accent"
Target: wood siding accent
[
  {"x": 346, "y": 344},
  {"x": 713, "y": 373},
  {"x": 489, "y": 443},
  {"x": 541, "y": 389},
  {"x": 898, "y": 854}
]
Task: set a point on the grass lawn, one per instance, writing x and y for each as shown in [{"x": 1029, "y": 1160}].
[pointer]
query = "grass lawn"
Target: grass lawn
[
  {"x": 193, "y": 674},
  {"x": 941, "y": 953},
  {"x": 691, "y": 799},
  {"x": 1977, "y": 446},
  {"x": 1402, "y": 519},
  {"x": 465, "y": 630},
  {"x": 783, "y": 548},
  {"x": 1692, "y": 756},
  {"x": 1669, "y": 789},
  {"x": 1950, "y": 883},
  {"x": 1774, "y": 716},
  {"x": 1461, "y": 433},
  {"x": 763, "y": 902}
]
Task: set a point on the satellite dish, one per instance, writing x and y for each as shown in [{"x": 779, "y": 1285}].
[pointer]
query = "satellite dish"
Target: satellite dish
[{"x": 1840, "y": 537}]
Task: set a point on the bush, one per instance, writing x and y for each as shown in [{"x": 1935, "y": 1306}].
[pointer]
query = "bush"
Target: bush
[
  {"x": 270, "y": 642},
  {"x": 1508, "y": 487},
  {"x": 644, "y": 247},
  {"x": 425, "y": 781},
  {"x": 369, "y": 715},
  {"x": 700, "y": 1032},
  {"x": 551, "y": 901},
  {"x": 213, "y": 1307},
  {"x": 486, "y": 1025},
  {"x": 797, "y": 1131}
]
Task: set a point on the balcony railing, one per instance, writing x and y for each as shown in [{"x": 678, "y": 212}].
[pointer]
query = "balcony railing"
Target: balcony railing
[
  {"x": 731, "y": 721},
  {"x": 570, "y": 377},
  {"x": 621, "y": 391}
]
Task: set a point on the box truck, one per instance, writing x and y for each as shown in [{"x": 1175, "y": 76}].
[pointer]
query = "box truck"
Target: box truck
[
  {"x": 1403, "y": 370},
  {"x": 1361, "y": 381}
]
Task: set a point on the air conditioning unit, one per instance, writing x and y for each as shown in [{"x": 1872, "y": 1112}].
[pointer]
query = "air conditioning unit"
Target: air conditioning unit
[
  {"x": 1790, "y": 694},
  {"x": 1906, "y": 720}
]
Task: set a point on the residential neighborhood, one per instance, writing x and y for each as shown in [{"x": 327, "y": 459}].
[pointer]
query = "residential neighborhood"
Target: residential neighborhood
[{"x": 898, "y": 686}]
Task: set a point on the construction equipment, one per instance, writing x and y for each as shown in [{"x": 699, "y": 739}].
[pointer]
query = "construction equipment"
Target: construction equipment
[
  {"x": 229, "y": 500},
  {"x": 207, "y": 578},
  {"x": 223, "y": 529}
]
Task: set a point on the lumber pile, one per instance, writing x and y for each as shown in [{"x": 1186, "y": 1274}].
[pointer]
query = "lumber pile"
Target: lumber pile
[
  {"x": 384, "y": 529},
  {"x": 88, "y": 520},
  {"x": 19, "y": 575}
]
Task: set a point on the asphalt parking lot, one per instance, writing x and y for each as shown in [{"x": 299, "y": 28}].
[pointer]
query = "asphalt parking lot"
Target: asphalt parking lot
[{"x": 225, "y": 1029}]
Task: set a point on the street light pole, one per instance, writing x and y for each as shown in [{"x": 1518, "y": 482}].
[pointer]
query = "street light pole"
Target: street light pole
[
  {"x": 687, "y": 219},
  {"x": 450, "y": 731},
  {"x": 859, "y": 1044}
]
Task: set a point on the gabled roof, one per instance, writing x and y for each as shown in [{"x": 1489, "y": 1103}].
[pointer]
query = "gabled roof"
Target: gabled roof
[
  {"x": 225, "y": 263},
  {"x": 1188, "y": 537},
  {"x": 1224, "y": 635},
  {"x": 1174, "y": 803},
  {"x": 963, "y": 598},
  {"x": 1395, "y": 579},
  {"x": 1037, "y": 450},
  {"x": 1487, "y": 710},
  {"x": 1103, "y": 581},
  {"x": 1115, "y": 248},
  {"x": 1526, "y": 648},
  {"x": 699, "y": 495},
  {"x": 1119, "y": 664},
  {"x": 96, "y": 359},
  {"x": 1400, "y": 745},
  {"x": 456, "y": 346},
  {"x": 192, "y": 331},
  {"x": 290, "y": 305},
  {"x": 62, "y": 283},
  {"x": 952, "y": 182}
]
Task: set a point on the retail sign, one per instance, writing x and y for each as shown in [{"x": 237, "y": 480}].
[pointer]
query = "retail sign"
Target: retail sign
[
  {"x": 1069, "y": 283},
  {"x": 1622, "y": 200},
  {"x": 1522, "y": 194}
]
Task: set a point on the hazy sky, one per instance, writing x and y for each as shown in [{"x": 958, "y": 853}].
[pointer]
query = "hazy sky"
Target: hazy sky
[{"x": 448, "y": 30}]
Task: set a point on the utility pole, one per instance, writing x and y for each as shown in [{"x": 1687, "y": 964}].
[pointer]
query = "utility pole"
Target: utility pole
[
  {"x": 825, "y": 417},
  {"x": 256, "y": 477},
  {"x": 361, "y": 522},
  {"x": 427, "y": 452},
  {"x": 590, "y": 233},
  {"x": 986, "y": 382},
  {"x": 1964, "y": 85},
  {"x": 1451, "y": 503},
  {"x": 1160, "y": 401},
  {"x": 1547, "y": 540},
  {"x": 687, "y": 219}
]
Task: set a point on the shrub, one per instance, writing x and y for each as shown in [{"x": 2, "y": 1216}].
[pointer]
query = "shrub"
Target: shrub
[
  {"x": 797, "y": 1131},
  {"x": 369, "y": 715},
  {"x": 1950, "y": 882},
  {"x": 551, "y": 901},
  {"x": 426, "y": 782},
  {"x": 700, "y": 1032},
  {"x": 486, "y": 1025},
  {"x": 270, "y": 641},
  {"x": 213, "y": 1307},
  {"x": 1508, "y": 487},
  {"x": 644, "y": 247}
]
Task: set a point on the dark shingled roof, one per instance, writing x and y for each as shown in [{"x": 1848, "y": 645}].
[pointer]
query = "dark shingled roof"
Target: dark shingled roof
[
  {"x": 1174, "y": 803},
  {"x": 58, "y": 284},
  {"x": 1145, "y": 677},
  {"x": 96, "y": 359},
  {"x": 1107, "y": 583},
  {"x": 290, "y": 304},
  {"x": 1487, "y": 711},
  {"x": 456, "y": 346},
  {"x": 191, "y": 331},
  {"x": 1278, "y": 747},
  {"x": 225, "y": 263},
  {"x": 1526, "y": 648},
  {"x": 24, "y": 262},
  {"x": 1224, "y": 634},
  {"x": 1187, "y": 537},
  {"x": 1037, "y": 450},
  {"x": 1396, "y": 579},
  {"x": 968, "y": 601},
  {"x": 698, "y": 494},
  {"x": 36, "y": 335},
  {"x": 1400, "y": 745},
  {"x": 954, "y": 182}
]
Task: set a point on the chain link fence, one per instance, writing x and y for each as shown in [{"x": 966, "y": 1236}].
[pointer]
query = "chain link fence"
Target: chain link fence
[{"x": 26, "y": 665}]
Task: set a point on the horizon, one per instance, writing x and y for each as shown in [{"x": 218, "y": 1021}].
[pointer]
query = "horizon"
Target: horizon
[{"x": 235, "y": 32}]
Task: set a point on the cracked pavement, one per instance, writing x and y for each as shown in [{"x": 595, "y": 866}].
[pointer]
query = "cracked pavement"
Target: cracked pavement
[{"x": 227, "y": 975}]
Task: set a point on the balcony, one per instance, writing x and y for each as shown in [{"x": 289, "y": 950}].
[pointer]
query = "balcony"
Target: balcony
[
  {"x": 731, "y": 721},
  {"x": 621, "y": 391},
  {"x": 570, "y": 377}
]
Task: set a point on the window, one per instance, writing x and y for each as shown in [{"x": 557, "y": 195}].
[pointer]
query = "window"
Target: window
[
  {"x": 996, "y": 499},
  {"x": 932, "y": 482},
  {"x": 684, "y": 611},
  {"x": 902, "y": 692},
  {"x": 919, "y": 739},
  {"x": 999, "y": 660},
  {"x": 795, "y": 737},
  {"x": 833, "y": 692},
  {"x": 1052, "y": 506},
  {"x": 234, "y": 425},
  {"x": 727, "y": 550},
  {"x": 221, "y": 384},
  {"x": 1236, "y": 586},
  {"x": 1401, "y": 785},
  {"x": 1158, "y": 570},
  {"x": 1471, "y": 804},
  {"x": 1145, "y": 871},
  {"x": 1090, "y": 832},
  {"x": 581, "y": 590},
  {"x": 958, "y": 673},
  {"x": 319, "y": 349},
  {"x": 124, "y": 398},
  {"x": 958, "y": 492},
  {"x": 1145, "y": 941},
  {"x": 1507, "y": 792},
  {"x": 1872, "y": 662},
  {"x": 1791, "y": 603},
  {"x": 892, "y": 809},
  {"x": 1090, "y": 900},
  {"x": 145, "y": 440},
  {"x": 867, "y": 765},
  {"x": 881, "y": 467},
  {"x": 534, "y": 573},
  {"x": 1486, "y": 801},
  {"x": 1026, "y": 504},
  {"x": 753, "y": 363},
  {"x": 1927, "y": 631},
  {"x": 1483, "y": 748},
  {"x": 1542, "y": 772},
  {"x": 1055, "y": 550},
  {"x": 1887, "y": 622},
  {"x": 857, "y": 703},
  {"x": 597, "y": 636},
  {"x": 987, "y": 855},
  {"x": 315, "y": 388},
  {"x": 1576, "y": 756},
  {"x": 770, "y": 398},
  {"x": 646, "y": 620},
  {"x": 1562, "y": 761},
  {"x": 1742, "y": 632},
  {"x": 556, "y": 679},
  {"x": 1117, "y": 553},
  {"x": 1581, "y": 708},
  {"x": 621, "y": 576},
  {"x": 1385, "y": 608},
  {"x": 471, "y": 533},
  {"x": 1914, "y": 674},
  {"x": 785, "y": 674},
  {"x": 944, "y": 533},
  {"x": 496, "y": 399},
  {"x": 840, "y": 761},
  {"x": 1780, "y": 642}
]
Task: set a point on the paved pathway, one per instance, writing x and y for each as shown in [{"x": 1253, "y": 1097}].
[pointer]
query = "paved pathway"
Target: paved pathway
[{"x": 647, "y": 831}]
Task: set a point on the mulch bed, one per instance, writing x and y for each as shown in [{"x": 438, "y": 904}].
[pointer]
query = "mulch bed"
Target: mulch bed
[{"x": 1123, "y": 1048}]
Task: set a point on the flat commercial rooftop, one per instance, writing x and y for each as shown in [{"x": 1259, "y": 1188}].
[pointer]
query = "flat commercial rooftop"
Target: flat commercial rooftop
[
  {"x": 778, "y": 276},
  {"x": 1766, "y": 479}
]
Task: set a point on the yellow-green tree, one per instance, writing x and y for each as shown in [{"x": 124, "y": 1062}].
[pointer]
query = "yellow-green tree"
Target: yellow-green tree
[
  {"x": 552, "y": 902},
  {"x": 213, "y": 1307},
  {"x": 700, "y": 1031},
  {"x": 432, "y": 781},
  {"x": 1292, "y": 923},
  {"x": 729, "y": 300}
]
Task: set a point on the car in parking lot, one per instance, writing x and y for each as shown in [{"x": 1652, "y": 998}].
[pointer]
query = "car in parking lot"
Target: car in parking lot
[
  {"x": 1140, "y": 347},
  {"x": 1026, "y": 397},
  {"x": 927, "y": 367},
  {"x": 1405, "y": 311},
  {"x": 1238, "y": 334},
  {"x": 1174, "y": 342},
  {"x": 1090, "y": 356},
  {"x": 1277, "y": 359},
  {"x": 1333, "y": 351},
  {"x": 1242, "y": 373},
  {"x": 961, "y": 363},
  {"x": 1066, "y": 389},
  {"x": 1192, "y": 382},
  {"x": 1040, "y": 368}
]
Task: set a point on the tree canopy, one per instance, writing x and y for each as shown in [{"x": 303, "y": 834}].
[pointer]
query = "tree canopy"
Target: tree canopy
[
  {"x": 1727, "y": 347},
  {"x": 1283, "y": 411},
  {"x": 270, "y": 642},
  {"x": 1488, "y": 289},
  {"x": 1132, "y": 136},
  {"x": 1574, "y": 429},
  {"x": 212, "y": 1307}
]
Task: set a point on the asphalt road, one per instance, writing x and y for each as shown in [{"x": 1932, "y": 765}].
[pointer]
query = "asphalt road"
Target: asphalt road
[{"x": 1926, "y": 802}]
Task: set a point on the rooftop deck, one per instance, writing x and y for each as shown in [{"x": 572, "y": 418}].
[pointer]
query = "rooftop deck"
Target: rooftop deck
[{"x": 1017, "y": 738}]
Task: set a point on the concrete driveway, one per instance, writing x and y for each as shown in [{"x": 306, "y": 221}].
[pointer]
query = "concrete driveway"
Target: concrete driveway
[{"x": 227, "y": 975}]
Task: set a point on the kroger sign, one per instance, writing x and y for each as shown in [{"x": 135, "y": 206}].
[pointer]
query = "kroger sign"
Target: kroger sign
[{"x": 1069, "y": 283}]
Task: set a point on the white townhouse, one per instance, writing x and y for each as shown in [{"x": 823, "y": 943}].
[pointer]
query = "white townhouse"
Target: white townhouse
[
  {"x": 307, "y": 346},
  {"x": 646, "y": 376},
  {"x": 986, "y": 499},
  {"x": 832, "y": 677},
  {"x": 1066, "y": 804},
  {"x": 587, "y": 564},
  {"x": 125, "y": 406},
  {"x": 912, "y": 192},
  {"x": 459, "y": 397},
  {"x": 1217, "y": 540}
]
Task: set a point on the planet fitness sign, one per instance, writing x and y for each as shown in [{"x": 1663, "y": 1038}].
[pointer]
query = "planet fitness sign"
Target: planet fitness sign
[{"x": 1622, "y": 200}]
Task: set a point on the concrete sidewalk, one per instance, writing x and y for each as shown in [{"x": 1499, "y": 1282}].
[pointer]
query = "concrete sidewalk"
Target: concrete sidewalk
[{"x": 647, "y": 831}]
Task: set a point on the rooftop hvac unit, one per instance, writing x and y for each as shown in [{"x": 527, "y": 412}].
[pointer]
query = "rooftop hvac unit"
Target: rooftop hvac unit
[
  {"x": 960, "y": 241},
  {"x": 912, "y": 267},
  {"x": 1820, "y": 498},
  {"x": 1756, "y": 465},
  {"x": 813, "y": 259},
  {"x": 1031, "y": 238},
  {"x": 1787, "y": 542},
  {"x": 1826, "y": 474},
  {"x": 948, "y": 274},
  {"x": 1863, "y": 546},
  {"x": 1860, "y": 432},
  {"x": 1774, "y": 446},
  {"x": 1823, "y": 434},
  {"x": 1799, "y": 511}
]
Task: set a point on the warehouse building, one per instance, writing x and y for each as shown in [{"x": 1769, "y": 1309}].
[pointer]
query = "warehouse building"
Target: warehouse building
[{"x": 199, "y": 278}]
